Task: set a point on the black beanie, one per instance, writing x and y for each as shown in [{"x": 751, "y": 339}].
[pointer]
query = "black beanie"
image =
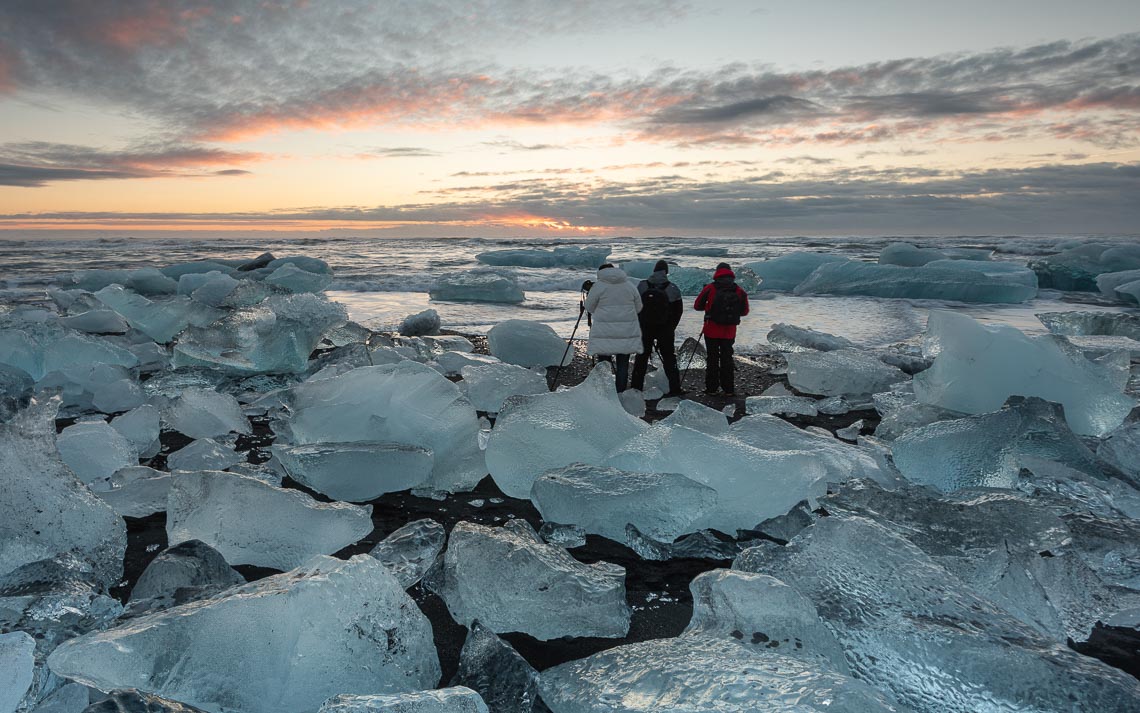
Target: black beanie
[
  {"x": 723, "y": 266},
  {"x": 661, "y": 266}
]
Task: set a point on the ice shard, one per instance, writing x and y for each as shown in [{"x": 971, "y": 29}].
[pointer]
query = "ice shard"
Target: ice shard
[
  {"x": 141, "y": 426},
  {"x": 536, "y": 433},
  {"x": 503, "y": 678},
  {"x": 420, "y": 323},
  {"x": 358, "y": 471},
  {"x": 94, "y": 451},
  {"x": 283, "y": 644},
  {"x": 291, "y": 278},
  {"x": 205, "y": 413},
  {"x": 1121, "y": 450},
  {"x": 203, "y": 454},
  {"x": 603, "y": 500},
  {"x": 186, "y": 572},
  {"x": 17, "y": 661},
  {"x": 700, "y": 673},
  {"x": 978, "y": 367},
  {"x": 251, "y": 522},
  {"x": 406, "y": 403},
  {"x": 489, "y": 385},
  {"x": 840, "y": 372},
  {"x": 161, "y": 319},
  {"x": 912, "y": 629},
  {"x": 411, "y": 550},
  {"x": 528, "y": 344},
  {"x": 510, "y": 580}
]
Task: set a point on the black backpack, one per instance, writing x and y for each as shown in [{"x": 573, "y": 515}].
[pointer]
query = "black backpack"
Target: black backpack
[
  {"x": 655, "y": 310},
  {"x": 726, "y": 305}
]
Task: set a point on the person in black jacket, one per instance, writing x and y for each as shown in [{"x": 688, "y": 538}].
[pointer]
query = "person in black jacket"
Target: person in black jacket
[{"x": 660, "y": 314}]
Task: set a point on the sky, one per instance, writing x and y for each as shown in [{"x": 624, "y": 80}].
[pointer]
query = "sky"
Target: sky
[{"x": 577, "y": 117}]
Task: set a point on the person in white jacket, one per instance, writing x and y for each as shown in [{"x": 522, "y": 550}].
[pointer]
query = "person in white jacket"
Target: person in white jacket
[{"x": 613, "y": 303}]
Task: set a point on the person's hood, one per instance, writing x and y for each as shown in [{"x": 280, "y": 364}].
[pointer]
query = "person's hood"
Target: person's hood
[
  {"x": 724, "y": 272},
  {"x": 611, "y": 275},
  {"x": 660, "y": 278}
]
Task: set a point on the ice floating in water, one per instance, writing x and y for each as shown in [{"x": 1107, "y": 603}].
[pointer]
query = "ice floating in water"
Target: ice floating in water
[
  {"x": 161, "y": 320},
  {"x": 1112, "y": 324},
  {"x": 45, "y": 510},
  {"x": 1078, "y": 267},
  {"x": 275, "y": 336},
  {"x": 989, "y": 450},
  {"x": 510, "y": 580},
  {"x": 786, "y": 271},
  {"x": 358, "y": 471},
  {"x": 420, "y": 323},
  {"x": 186, "y": 572},
  {"x": 526, "y": 343},
  {"x": 1119, "y": 285},
  {"x": 979, "y": 366},
  {"x": 205, "y": 413},
  {"x": 908, "y": 255},
  {"x": 203, "y": 454},
  {"x": 17, "y": 662},
  {"x": 764, "y": 613},
  {"x": 406, "y": 403},
  {"x": 790, "y": 338},
  {"x": 287, "y": 649},
  {"x": 699, "y": 673},
  {"x": 503, "y": 678},
  {"x": 94, "y": 451},
  {"x": 489, "y": 385},
  {"x": 910, "y": 628},
  {"x": 565, "y": 256},
  {"x": 959, "y": 280},
  {"x": 840, "y": 372},
  {"x": 411, "y": 550},
  {"x": 444, "y": 700},
  {"x": 603, "y": 500},
  {"x": 477, "y": 286},
  {"x": 250, "y": 522},
  {"x": 534, "y": 434}
]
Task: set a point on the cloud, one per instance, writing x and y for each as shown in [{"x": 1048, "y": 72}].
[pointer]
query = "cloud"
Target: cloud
[
  {"x": 37, "y": 163},
  {"x": 812, "y": 160},
  {"x": 1052, "y": 198},
  {"x": 510, "y": 145},
  {"x": 399, "y": 152}
]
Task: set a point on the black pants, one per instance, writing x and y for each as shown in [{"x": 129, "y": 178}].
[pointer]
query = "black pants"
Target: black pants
[
  {"x": 621, "y": 368},
  {"x": 721, "y": 370},
  {"x": 664, "y": 338}
]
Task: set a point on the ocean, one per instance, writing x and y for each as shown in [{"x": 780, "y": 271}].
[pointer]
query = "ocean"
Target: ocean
[{"x": 382, "y": 280}]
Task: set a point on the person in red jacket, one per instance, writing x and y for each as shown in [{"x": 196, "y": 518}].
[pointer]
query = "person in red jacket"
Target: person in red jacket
[{"x": 723, "y": 303}]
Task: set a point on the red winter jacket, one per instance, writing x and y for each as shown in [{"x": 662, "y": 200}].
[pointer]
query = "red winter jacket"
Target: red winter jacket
[{"x": 723, "y": 279}]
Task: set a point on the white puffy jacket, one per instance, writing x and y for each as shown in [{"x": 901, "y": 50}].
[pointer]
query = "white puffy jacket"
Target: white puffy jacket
[{"x": 614, "y": 303}]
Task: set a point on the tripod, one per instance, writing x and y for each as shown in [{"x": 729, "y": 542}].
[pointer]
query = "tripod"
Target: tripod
[{"x": 589, "y": 322}]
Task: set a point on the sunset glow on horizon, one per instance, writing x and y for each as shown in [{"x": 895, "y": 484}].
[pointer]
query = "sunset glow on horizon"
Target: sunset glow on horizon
[{"x": 522, "y": 118}]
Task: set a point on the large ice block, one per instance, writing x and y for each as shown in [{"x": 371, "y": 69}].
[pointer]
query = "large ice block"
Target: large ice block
[
  {"x": 186, "y": 572},
  {"x": 1112, "y": 324},
  {"x": 510, "y": 580},
  {"x": 698, "y": 417},
  {"x": 276, "y": 335},
  {"x": 786, "y": 271},
  {"x": 411, "y": 550},
  {"x": 909, "y": 255},
  {"x": 840, "y": 372},
  {"x": 45, "y": 510},
  {"x": 535, "y": 433},
  {"x": 291, "y": 278},
  {"x": 420, "y": 323},
  {"x": 603, "y": 500},
  {"x": 137, "y": 491},
  {"x": 406, "y": 403},
  {"x": 94, "y": 451},
  {"x": 205, "y": 413},
  {"x": 762, "y": 612},
  {"x": 912, "y": 629},
  {"x": 959, "y": 280},
  {"x": 1077, "y": 267},
  {"x": 989, "y": 450},
  {"x": 699, "y": 673},
  {"x": 150, "y": 281},
  {"x": 840, "y": 461},
  {"x": 565, "y": 256},
  {"x": 96, "y": 321},
  {"x": 790, "y": 338},
  {"x": 358, "y": 471},
  {"x": 209, "y": 288},
  {"x": 503, "y": 678},
  {"x": 1108, "y": 283},
  {"x": 283, "y": 644},
  {"x": 480, "y": 285},
  {"x": 490, "y": 384},
  {"x": 161, "y": 319},
  {"x": 1121, "y": 450},
  {"x": 17, "y": 661},
  {"x": 444, "y": 700},
  {"x": 525, "y": 343},
  {"x": 141, "y": 426},
  {"x": 251, "y": 522},
  {"x": 752, "y": 484},
  {"x": 979, "y": 366}
]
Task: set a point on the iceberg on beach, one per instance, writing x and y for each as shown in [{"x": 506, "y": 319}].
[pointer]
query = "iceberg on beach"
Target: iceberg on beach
[
  {"x": 405, "y": 403},
  {"x": 843, "y": 372},
  {"x": 565, "y": 256},
  {"x": 480, "y": 285},
  {"x": 205, "y": 413},
  {"x": 251, "y": 522},
  {"x": 978, "y": 367},
  {"x": 1111, "y": 324},
  {"x": 291, "y": 278},
  {"x": 958, "y": 280},
  {"x": 786, "y": 271},
  {"x": 411, "y": 550},
  {"x": 790, "y": 338},
  {"x": 421, "y": 323},
  {"x": 161, "y": 320},
  {"x": 526, "y": 343},
  {"x": 356, "y": 472},
  {"x": 510, "y": 580},
  {"x": 536, "y": 433},
  {"x": 1078, "y": 267},
  {"x": 603, "y": 500},
  {"x": 94, "y": 451},
  {"x": 283, "y": 644},
  {"x": 489, "y": 385},
  {"x": 1120, "y": 285},
  {"x": 276, "y": 336}
]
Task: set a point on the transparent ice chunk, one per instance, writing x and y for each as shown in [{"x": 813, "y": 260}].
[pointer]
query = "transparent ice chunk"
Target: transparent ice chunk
[
  {"x": 528, "y": 344},
  {"x": 205, "y": 413},
  {"x": 840, "y": 372},
  {"x": 356, "y": 472},
  {"x": 480, "y": 285},
  {"x": 420, "y": 323},
  {"x": 503, "y": 678},
  {"x": 790, "y": 338},
  {"x": 94, "y": 451},
  {"x": 489, "y": 385},
  {"x": 411, "y": 550}
]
